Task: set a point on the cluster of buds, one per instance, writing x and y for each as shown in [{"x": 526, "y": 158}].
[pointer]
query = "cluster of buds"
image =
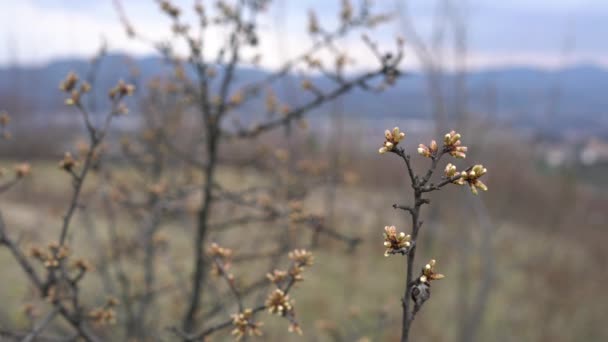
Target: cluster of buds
[
  {"x": 302, "y": 124},
  {"x": 452, "y": 145},
  {"x": 312, "y": 167},
  {"x": 451, "y": 172},
  {"x": 391, "y": 140},
  {"x": 121, "y": 90},
  {"x": 313, "y": 63},
  {"x": 350, "y": 177},
  {"x": 224, "y": 255},
  {"x": 157, "y": 189},
  {"x": 4, "y": 121},
  {"x": 421, "y": 289},
  {"x": 428, "y": 151},
  {"x": 160, "y": 239},
  {"x": 281, "y": 154},
  {"x": 68, "y": 163},
  {"x": 301, "y": 259},
  {"x": 307, "y": 84},
  {"x": 313, "y": 23},
  {"x": 471, "y": 177},
  {"x": 82, "y": 265},
  {"x": 22, "y": 170},
  {"x": 346, "y": 12},
  {"x": 340, "y": 62},
  {"x": 264, "y": 201},
  {"x": 285, "y": 110},
  {"x": 106, "y": 314},
  {"x": 271, "y": 101},
  {"x": 244, "y": 325},
  {"x": 278, "y": 302},
  {"x": 428, "y": 272},
  {"x": 226, "y": 10},
  {"x": 70, "y": 85},
  {"x": 57, "y": 253},
  {"x": 30, "y": 310},
  {"x": 294, "y": 327},
  {"x": 51, "y": 257},
  {"x": 296, "y": 211},
  {"x": 396, "y": 243},
  {"x": 377, "y": 19},
  {"x": 170, "y": 9},
  {"x": 236, "y": 98},
  {"x": 277, "y": 277},
  {"x": 178, "y": 28},
  {"x": 199, "y": 8},
  {"x": 211, "y": 72}
]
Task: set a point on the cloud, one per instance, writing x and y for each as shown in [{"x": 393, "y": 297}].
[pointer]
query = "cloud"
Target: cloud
[
  {"x": 514, "y": 32},
  {"x": 38, "y": 34}
]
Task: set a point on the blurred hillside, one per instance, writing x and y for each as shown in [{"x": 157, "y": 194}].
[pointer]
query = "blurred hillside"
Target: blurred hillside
[{"x": 564, "y": 102}]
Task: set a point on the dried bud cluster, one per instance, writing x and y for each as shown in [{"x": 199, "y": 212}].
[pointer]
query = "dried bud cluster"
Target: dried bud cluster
[
  {"x": 396, "y": 243},
  {"x": 451, "y": 142},
  {"x": 391, "y": 140},
  {"x": 421, "y": 289},
  {"x": 244, "y": 325}
]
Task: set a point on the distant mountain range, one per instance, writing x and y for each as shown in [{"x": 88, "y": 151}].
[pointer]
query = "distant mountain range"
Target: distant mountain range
[{"x": 571, "y": 98}]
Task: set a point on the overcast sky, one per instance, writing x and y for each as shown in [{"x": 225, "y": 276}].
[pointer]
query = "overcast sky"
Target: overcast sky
[{"x": 547, "y": 33}]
